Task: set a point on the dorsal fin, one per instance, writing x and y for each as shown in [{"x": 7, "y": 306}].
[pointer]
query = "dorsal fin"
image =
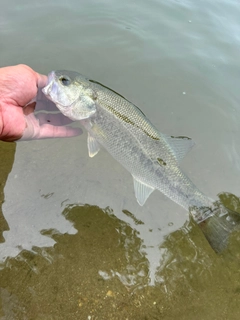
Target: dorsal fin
[{"x": 181, "y": 145}]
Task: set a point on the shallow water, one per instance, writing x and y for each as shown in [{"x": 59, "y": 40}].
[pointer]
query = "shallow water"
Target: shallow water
[{"x": 74, "y": 242}]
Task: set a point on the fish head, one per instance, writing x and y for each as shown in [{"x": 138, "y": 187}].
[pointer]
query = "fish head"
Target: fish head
[{"x": 71, "y": 93}]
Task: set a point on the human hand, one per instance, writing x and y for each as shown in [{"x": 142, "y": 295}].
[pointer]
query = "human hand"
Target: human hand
[{"x": 20, "y": 105}]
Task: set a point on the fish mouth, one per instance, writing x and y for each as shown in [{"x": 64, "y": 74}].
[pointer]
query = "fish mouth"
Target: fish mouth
[{"x": 50, "y": 85}]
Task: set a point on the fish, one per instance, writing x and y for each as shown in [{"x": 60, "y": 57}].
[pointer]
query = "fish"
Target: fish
[{"x": 151, "y": 157}]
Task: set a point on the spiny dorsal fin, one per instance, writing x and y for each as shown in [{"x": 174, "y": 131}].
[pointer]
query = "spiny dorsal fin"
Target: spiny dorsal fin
[{"x": 102, "y": 85}]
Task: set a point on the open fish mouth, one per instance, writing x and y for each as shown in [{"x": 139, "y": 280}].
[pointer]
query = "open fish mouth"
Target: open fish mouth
[{"x": 49, "y": 88}]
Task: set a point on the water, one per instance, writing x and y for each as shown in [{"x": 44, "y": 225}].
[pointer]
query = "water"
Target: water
[{"x": 74, "y": 242}]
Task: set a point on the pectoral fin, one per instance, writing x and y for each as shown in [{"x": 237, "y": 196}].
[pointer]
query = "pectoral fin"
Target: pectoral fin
[
  {"x": 93, "y": 146},
  {"x": 142, "y": 191}
]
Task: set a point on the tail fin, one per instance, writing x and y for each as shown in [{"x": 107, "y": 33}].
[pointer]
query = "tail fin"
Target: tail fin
[{"x": 218, "y": 227}]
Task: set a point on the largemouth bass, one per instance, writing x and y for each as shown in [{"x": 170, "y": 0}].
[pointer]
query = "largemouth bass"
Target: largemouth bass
[{"x": 151, "y": 157}]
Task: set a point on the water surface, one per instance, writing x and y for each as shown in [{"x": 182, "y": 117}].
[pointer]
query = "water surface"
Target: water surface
[{"x": 74, "y": 242}]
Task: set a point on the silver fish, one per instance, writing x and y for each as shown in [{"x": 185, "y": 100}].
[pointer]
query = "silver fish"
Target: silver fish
[{"x": 151, "y": 157}]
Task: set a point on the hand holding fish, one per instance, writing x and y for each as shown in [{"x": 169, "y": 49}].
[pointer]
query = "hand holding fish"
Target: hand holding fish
[{"x": 20, "y": 99}]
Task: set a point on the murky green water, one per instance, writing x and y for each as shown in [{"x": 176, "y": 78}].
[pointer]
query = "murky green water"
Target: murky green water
[{"x": 74, "y": 244}]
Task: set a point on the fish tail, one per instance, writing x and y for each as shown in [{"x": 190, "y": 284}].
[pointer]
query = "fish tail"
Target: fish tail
[{"x": 218, "y": 227}]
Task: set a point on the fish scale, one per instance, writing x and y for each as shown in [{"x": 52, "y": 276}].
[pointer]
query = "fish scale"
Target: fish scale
[{"x": 169, "y": 179}]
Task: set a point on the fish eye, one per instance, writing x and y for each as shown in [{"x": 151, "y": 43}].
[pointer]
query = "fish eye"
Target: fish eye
[{"x": 65, "y": 80}]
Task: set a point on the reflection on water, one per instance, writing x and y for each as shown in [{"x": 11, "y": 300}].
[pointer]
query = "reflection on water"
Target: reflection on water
[{"x": 103, "y": 269}]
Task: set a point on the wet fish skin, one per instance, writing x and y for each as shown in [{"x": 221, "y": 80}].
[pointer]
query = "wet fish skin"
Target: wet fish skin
[
  {"x": 118, "y": 125},
  {"x": 124, "y": 131}
]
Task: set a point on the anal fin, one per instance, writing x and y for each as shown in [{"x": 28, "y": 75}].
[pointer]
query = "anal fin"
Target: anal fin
[{"x": 142, "y": 191}]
